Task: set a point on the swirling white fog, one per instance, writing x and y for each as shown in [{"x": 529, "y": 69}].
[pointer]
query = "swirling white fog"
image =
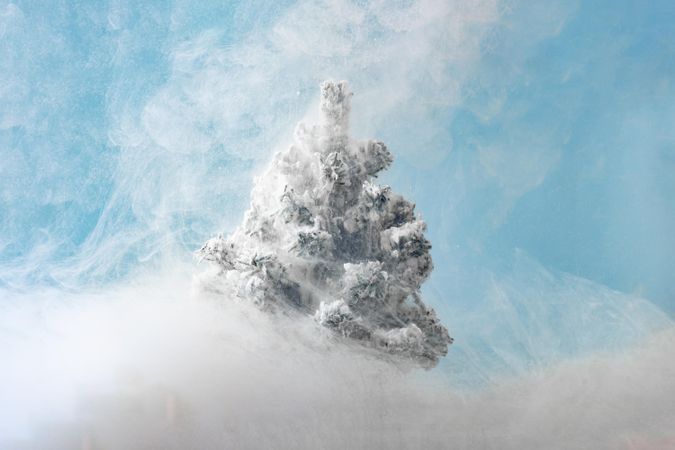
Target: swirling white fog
[{"x": 534, "y": 139}]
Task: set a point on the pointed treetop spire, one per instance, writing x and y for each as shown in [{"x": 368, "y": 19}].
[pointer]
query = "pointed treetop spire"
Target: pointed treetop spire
[{"x": 335, "y": 106}]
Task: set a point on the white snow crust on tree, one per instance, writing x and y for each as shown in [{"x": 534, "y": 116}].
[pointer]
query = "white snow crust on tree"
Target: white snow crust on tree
[{"x": 320, "y": 238}]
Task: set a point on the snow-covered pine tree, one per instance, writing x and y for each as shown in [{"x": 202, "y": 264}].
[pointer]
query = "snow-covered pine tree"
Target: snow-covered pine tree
[{"x": 321, "y": 238}]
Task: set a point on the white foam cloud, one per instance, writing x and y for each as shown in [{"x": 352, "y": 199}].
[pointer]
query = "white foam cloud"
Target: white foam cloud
[{"x": 149, "y": 365}]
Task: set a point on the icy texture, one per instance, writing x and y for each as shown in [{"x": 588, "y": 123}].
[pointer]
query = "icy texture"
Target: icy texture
[{"x": 320, "y": 238}]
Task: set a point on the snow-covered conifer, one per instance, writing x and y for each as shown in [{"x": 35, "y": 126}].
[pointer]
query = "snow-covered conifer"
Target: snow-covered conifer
[{"x": 320, "y": 238}]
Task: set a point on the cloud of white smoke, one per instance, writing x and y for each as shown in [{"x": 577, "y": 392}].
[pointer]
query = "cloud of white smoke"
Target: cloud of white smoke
[{"x": 153, "y": 366}]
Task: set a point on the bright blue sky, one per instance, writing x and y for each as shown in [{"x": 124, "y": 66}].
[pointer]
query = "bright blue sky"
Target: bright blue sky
[
  {"x": 587, "y": 114},
  {"x": 536, "y": 138}
]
